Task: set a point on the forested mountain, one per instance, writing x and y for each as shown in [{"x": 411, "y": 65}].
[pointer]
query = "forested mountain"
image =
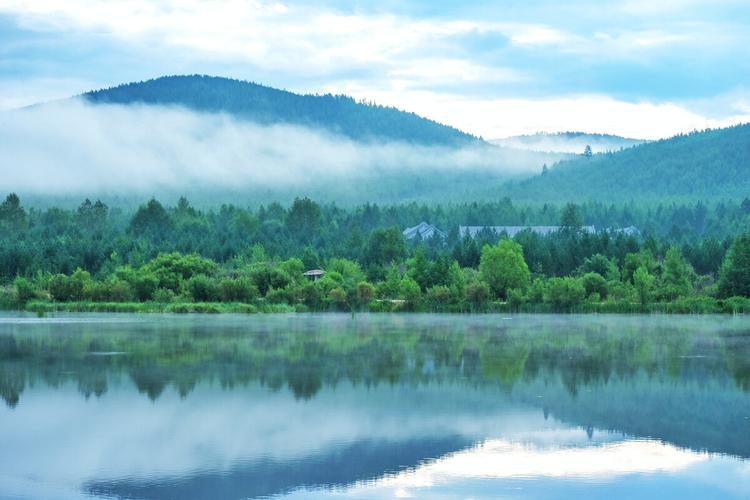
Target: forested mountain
[
  {"x": 567, "y": 142},
  {"x": 338, "y": 113},
  {"x": 702, "y": 165}
]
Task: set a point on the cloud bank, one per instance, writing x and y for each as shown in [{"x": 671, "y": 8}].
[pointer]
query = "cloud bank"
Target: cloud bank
[
  {"x": 636, "y": 68},
  {"x": 74, "y": 147}
]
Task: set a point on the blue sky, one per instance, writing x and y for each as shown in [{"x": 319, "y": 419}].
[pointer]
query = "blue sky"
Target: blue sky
[{"x": 638, "y": 68}]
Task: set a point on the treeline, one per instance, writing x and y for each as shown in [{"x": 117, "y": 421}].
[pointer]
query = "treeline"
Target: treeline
[
  {"x": 180, "y": 255},
  {"x": 336, "y": 113},
  {"x": 97, "y": 238}
]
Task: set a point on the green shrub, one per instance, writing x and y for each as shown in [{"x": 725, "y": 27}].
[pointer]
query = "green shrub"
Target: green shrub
[
  {"x": 365, "y": 293},
  {"x": 380, "y": 306},
  {"x": 736, "y": 305},
  {"x": 536, "y": 291},
  {"x": 25, "y": 290},
  {"x": 7, "y": 298},
  {"x": 565, "y": 293},
  {"x": 265, "y": 276},
  {"x": 164, "y": 296},
  {"x": 203, "y": 289},
  {"x": 515, "y": 298},
  {"x": 338, "y": 298},
  {"x": 63, "y": 289},
  {"x": 410, "y": 292},
  {"x": 120, "y": 291},
  {"x": 595, "y": 283},
  {"x": 438, "y": 296},
  {"x": 311, "y": 295},
  {"x": 145, "y": 286},
  {"x": 173, "y": 269},
  {"x": 97, "y": 292},
  {"x": 477, "y": 294},
  {"x": 237, "y": 290},
  {"x": 280, "y": 296}
]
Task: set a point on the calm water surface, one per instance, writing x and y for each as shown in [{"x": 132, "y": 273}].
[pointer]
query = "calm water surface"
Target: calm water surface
[{"x": 377, "y": 406}]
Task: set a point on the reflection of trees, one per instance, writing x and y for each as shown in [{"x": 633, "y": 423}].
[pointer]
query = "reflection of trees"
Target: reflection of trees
[
  {"x": 92, "y": 383},
  {"x": 150, "y": 380},
  {"x": 310, "y": 354},
  {"x": 12, "y": 382},
  {"x": 503, "y": 359},
  {"x": 737, "y": 353},
  {"x": 303, "y": 379},
  {"x": 12, "y": 374}
]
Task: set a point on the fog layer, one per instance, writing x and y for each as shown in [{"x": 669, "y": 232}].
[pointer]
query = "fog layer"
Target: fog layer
[{"x": 74, "y": 147}]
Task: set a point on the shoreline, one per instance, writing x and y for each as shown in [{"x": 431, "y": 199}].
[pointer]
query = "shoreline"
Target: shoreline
[{"x": 731, "y": 306}]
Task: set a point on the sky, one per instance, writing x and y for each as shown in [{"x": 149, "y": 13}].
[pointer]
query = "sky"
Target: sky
[{"x": 638, "y": 68}]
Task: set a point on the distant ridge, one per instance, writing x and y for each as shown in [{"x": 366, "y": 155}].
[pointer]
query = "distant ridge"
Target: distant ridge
[
  {"x": 705, "y": 165},
  {"x": 567, "y": 142},
  {"x": 266, "y": 105}
]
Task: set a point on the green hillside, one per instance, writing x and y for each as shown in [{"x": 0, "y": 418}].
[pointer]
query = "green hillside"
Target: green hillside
[
  {"x": 337, "y": 113},
  {"x": 702, "y": 165}
]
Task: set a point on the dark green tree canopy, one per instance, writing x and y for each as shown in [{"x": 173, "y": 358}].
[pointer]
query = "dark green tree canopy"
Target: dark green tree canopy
[
  {"x": 12, "y": 214},
  {"x": 734, "y": 277},
  {"x": 150, "y": 219},
  {"x": 246, "y": 100}
]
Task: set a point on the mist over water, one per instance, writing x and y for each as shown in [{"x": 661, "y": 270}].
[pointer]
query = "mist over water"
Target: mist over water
[{"x": 73, "y": 147}]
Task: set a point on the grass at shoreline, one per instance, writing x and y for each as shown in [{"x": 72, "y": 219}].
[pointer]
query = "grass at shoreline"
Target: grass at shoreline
[
  {"x": 697, "y": 305},
  {"x": 156, "y": 307}
]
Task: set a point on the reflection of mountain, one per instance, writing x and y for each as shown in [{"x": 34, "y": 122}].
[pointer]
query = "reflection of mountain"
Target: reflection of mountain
[
  {"x": 338, "y": 467},
  {"x": 709, "y": 416}
]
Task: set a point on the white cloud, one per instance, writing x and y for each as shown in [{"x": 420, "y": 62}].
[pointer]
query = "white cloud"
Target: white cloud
[
  {"x": 496, "y": 118},
  {"x": 16, "y": 94},
  {"x": 268, "y": 34},
  {"x": 396, "y": 59},
  {"x": 447, "y": 70},
  {"x": 669, "y": 7},
  {"x": 540, "y": 35}
]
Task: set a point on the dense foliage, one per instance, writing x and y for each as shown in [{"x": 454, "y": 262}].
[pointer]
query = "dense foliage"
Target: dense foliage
[
  {"x": 337, "y": 113},
  {"x": 702, "y": 165},
  {"x": 179, "y": 254}
]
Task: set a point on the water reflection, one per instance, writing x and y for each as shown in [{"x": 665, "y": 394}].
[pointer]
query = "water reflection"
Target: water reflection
[{"x": 324, "y": 405}]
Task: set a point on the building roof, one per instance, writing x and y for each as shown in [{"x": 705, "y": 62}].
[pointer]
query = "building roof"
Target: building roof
[
  {"x": 627, "y": 231},
  {"x": 314, "y": 272},
  {"x": 511, "y": 231},
  {"x": 424, "y": 230}
]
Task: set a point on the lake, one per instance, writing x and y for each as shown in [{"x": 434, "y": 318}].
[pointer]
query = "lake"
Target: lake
[{"x": 375, "y": 406}]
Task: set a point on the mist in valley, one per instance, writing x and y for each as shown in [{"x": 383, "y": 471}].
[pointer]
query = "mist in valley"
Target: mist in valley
[{"x": 73, "y": 148}]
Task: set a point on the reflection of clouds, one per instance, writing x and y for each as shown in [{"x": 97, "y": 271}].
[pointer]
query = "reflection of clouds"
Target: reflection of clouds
[
  {"x": 505, "y": 469},
  {"x": 504, "y": 459},
  {"x": 124, "y": 434}
]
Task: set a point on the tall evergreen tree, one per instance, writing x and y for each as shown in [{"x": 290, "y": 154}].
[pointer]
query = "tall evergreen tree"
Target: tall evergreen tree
[{"x": 734, "y": 277}]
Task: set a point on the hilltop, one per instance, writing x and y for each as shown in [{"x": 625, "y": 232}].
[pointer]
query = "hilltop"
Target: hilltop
[
  {"x": 267, "y": 105},
  {"x": 567, "y": 142}
]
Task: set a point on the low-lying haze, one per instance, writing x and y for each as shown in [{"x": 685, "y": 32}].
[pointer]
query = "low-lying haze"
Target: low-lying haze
[{"x": 73, "y": 147}]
